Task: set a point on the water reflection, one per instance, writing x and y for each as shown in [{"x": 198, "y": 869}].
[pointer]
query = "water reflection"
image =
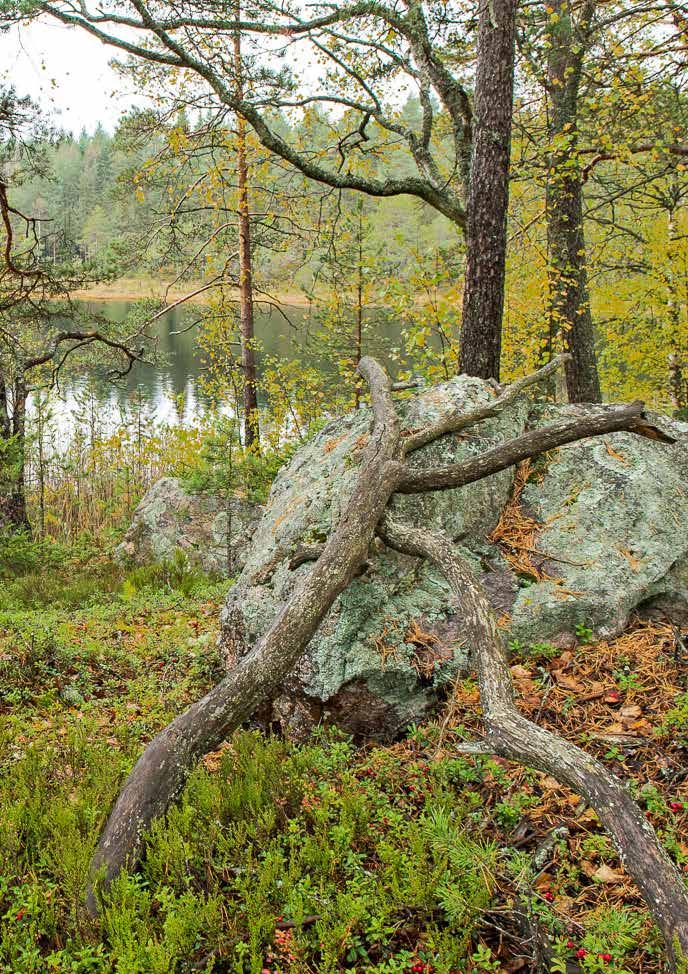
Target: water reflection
[{"x": 171, "y": 390}]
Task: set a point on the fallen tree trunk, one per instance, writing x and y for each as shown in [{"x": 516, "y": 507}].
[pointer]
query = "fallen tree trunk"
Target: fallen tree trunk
[
  {"x": 510, "y": 735},
  {"x": 165, "y": 764},
  {"x": 160, "y": 773}
]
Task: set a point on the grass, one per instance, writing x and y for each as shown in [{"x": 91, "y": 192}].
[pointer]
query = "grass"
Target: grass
[{"x": 328, "y": 856}]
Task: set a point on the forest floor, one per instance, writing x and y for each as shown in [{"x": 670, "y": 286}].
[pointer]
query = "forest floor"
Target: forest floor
[{"x": 328, "y": 856}]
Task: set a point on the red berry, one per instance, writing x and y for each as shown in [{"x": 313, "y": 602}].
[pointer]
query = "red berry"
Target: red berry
[
  {"x": 605, "y": 957},
  {"x": 582, "y": 952},
  {"x": 570, "y": 944},
  {"x": 549, "y": 896},
  {"x": 676, "y": 806}
]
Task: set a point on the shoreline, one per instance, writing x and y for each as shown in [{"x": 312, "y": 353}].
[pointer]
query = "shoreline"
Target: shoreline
[{"x": 141, "y": 289}]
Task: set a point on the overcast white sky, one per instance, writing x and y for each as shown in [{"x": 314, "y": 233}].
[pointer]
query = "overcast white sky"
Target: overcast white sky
[{"x": 67, "y": 72}]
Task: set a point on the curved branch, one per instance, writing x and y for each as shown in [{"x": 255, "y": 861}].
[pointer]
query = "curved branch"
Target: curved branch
[
  {"x": 161, "y": 771},
  {"x": 440, "y": 196},
  {"x": 512, "y": 736},
  {"x": 600, "y": 420},
  {"x": 455, "y": 421},
  {"x": 81, "y": 337}
]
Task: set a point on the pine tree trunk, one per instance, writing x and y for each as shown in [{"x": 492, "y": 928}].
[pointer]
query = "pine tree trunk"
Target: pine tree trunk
[
  {"x": 5, "y": 424},
  {"x": 483, "y": 300},
  {"x": 358, "y": 351},
  {"x": 248, "y": 355},
  {"x": 570, "y": 318},
  {"x": 675, "y": 360}
]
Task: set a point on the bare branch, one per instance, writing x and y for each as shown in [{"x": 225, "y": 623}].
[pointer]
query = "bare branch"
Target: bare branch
[
  {"x": 456, "y": 420},
  {"x": 512, "y": 736},
  {"x": 163, "y": 767},
  {"x": 601, "y": 419}
]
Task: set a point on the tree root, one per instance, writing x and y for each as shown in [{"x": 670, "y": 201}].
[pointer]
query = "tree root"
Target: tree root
[{"x": 164, "y": 766}]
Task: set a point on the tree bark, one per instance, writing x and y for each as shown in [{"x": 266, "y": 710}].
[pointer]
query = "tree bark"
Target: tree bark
[
  {"x": 358, "y": 336},
  {"x": 512, "y": 736},
  {"x": 570, "y": 318},
  {"x": 676, "y": 365},
  {"x": 5, "y": 422},
  {"x": 248, "y": 354},
  {"x": 603, "y": 419},
  {"x": 483, "y": 299}
]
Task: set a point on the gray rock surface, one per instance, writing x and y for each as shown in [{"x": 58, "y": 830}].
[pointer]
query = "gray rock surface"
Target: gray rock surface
[
  {"x": 170, "y": 518},
  {"x": 613, "y": 512},
  {"x": 389, "y": 646},
  {"x": 612, "y": 535}
]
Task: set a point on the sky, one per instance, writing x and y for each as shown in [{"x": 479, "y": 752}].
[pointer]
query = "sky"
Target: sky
[{"x": 67, "y": 72}]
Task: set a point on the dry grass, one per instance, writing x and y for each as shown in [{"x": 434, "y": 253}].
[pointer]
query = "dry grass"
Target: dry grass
[{"x": 429, "y": 650}]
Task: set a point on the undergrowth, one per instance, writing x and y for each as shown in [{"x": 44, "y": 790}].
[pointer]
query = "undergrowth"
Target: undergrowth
[{"x": 328, "y": 856}]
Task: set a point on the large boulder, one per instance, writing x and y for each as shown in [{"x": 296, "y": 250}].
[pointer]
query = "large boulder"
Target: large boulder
[
  {"x": 609, "y": 536},
  {"x": 388, "y": 647},
  {"x": 612, "y": 515},
  {"x": 214, "y": 533}
]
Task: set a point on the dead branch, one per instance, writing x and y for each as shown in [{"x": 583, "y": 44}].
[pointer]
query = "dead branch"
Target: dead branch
[
  {"x": 512, "y": 736},
  {"x": 165, "y": 764},
  {"x": 600, "y": 420},
  {"x": 455, "y": 421}
]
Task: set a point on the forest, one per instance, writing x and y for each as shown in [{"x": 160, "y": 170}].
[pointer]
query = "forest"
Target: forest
[{"x": 344, "y": 489}]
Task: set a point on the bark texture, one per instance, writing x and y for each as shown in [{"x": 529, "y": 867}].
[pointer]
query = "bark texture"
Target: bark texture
[
  {"x": 248, "y": 354},
  {"x": 570, "y": 318},
  {"x": 483, "y": 300},
  {"x": 13, "y": 513},
  {"x": 603, "y": 419}
]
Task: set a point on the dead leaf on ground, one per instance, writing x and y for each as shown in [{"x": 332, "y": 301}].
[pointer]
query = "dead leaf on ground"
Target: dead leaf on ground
[
  {"x": 520, "y": 673},
  {"x": 632, "y": 711},
  {"x": 605, "y": 874},
  {"x": 615, "y": 453},
  {"x": 630, "y": 558},
  {"x": 567, "y": 682}
]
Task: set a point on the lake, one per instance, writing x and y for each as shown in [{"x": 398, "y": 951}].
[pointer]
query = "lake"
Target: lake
[{"x": 172, "y": 388}]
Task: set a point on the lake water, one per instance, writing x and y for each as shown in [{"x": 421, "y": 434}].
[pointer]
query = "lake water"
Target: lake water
[{"x": 172, "y": 388}]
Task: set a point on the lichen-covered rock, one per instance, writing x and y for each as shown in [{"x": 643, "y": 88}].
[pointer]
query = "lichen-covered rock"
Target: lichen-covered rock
[
  {"x": 611, "y": 520},
  {"x": 389, "y": 645},
  {"x": 613, "y": 512},
  {"x": 213, "y": 534}
]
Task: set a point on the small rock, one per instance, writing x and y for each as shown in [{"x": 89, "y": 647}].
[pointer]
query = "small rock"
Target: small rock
[{"x": 71, "y": 696}]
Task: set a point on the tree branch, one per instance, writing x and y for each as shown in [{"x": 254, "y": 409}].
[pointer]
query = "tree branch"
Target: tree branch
[
  {"x": 456, "y": 421},
  {"x": 439, "y": 195},
  {"x": 600, "y": 420},
  {"x": 512, "y": 736},
  {"x": 163, "y": 767}
]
